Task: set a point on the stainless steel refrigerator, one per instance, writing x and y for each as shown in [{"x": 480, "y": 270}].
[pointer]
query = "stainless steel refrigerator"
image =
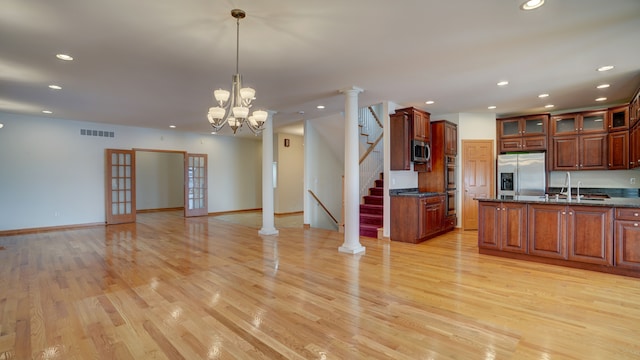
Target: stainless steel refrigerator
[{"x": 521, "y": 174}]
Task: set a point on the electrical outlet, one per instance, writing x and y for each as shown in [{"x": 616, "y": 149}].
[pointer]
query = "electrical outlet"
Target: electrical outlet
[{"x": 632, "y": 180}]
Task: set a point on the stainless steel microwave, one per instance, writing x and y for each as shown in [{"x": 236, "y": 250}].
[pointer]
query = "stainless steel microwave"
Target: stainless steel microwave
[{"x": 420, "y": 151}]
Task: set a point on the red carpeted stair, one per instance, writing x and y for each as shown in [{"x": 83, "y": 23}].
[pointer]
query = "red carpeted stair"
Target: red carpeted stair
[{"x": 371, "y": 210}]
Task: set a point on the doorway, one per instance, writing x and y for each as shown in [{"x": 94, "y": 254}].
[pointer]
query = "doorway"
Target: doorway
[
  {"x": 478, "y": 176},
  {"x": 171, "y": 179}
]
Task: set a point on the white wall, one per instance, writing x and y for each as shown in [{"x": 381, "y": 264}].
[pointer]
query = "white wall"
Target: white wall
[
  {"x": 290, "y": 190},
  {"x": 323, "y": 171},
  {"x": 159, "y": 180},
  {"x": 50, "y": 175}
]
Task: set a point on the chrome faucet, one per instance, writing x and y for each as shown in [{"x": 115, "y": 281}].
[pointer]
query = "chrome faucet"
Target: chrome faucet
[
  {"x": 567, "y": 184},
  {"x": 578, "y": 190}
]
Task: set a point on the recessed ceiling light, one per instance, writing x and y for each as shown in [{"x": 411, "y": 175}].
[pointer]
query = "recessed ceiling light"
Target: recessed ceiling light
[
  {"x": 320, "y": 107},
  {"x": 429, "y": 102},
  {"x": 64, "y": 57},
  {"x": 605, "y": 68},
  {"x": 549, "y": 106},
  {"x": 172, "y": 126},
  {"x": 503, "y": 83},
  {"x": 491, "y": 107},
  {"x": 543, "y": 96},
  {"x": 603, "y": 86},
  {"x": 601, "y": 99},
  {"x": 531, "y": 4},
  {"x": 47, "y": 112},
  {"x": 55, "y": 87}
]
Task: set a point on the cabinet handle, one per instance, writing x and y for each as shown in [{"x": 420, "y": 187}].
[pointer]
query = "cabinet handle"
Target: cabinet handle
[
  {"x": 503, "y": 209},
  {"x": 498, "y": 209},
  {"x": 564, "y": 213},
  {"x": 635, "y": 214},
  {"x": 570, "y": 213},
  {"x": 635, "y": 224}
]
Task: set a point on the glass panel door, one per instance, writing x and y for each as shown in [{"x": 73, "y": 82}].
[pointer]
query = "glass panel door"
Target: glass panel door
[
  {"x": 594, "y": 122},
  {"x": 195, "y": 185},
  {"x": 120, "y": 186}
]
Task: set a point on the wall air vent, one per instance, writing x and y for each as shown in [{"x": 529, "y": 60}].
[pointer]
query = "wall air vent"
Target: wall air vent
[{"x": 99, "y": 133}]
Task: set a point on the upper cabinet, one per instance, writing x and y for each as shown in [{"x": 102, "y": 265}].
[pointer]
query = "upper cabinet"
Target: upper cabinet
[
  {"x": 419, "y": 121},
  {"x": 527, "y": 133},
  {"x": 619, "y": 118},
  {"x": 406, "y": 125},
  {"x": 592, "y": 122}
]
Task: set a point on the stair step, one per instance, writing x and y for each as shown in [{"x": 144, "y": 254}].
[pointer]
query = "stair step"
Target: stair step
[
  {"x": 369, "y": 231},
  {"x": 379, "y": 183},
  {"x": 371, "y": 209},
  {"x": 376, "y": 191},
  {"x": 371, "y": 219},
  {"x": 373, "y": 200}
]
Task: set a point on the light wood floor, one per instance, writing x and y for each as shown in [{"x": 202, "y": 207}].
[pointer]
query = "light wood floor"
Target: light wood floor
[{"x": 170, "y": 288}]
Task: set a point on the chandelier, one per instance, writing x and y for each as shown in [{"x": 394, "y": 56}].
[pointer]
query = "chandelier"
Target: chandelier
[{"x": 233, "y": 107}]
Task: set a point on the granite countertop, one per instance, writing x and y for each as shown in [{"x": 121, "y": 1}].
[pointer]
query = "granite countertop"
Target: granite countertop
[
  {"x": 412, "y": 192},
  {"x": 608, "y": 202}
]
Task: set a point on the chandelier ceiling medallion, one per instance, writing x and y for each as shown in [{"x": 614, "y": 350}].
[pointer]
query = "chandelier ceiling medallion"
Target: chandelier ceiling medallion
[{"x": 233, "y": 107}]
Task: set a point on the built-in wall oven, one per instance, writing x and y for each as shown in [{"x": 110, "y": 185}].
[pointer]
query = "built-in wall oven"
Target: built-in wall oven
[{"x": 450, "y": 181}]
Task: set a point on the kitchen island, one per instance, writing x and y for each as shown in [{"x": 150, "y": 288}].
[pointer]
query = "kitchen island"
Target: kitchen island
[{"x": 600, "y": 234}]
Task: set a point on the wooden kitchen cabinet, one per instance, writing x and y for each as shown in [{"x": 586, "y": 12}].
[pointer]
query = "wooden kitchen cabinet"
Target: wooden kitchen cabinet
[
  {"x": 415, "y": 219},
  {"x": 590, "y": 234},
  {"x": 627, "y": 238},
  {"x": 618, "y": 143},
  {"x": 522, "y": 133},
  {"x": 503, "y": 226},
  {"x": 591, "y": 122},
  {"x": 579, "y": 152},
  {"x": 576, "y": 233},
  {"x": 619, "y": 118},
  {"x": 431, "y": 214},
  {"x": 400, "y": 142},
  {"x": 547, "y": 230},
  {"x": 420, "y": 123},
  {"x": 450, "y": 139}
]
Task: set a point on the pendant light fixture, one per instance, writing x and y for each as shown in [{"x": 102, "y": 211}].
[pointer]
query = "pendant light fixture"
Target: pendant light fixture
[{"x": 233, "y": 107}]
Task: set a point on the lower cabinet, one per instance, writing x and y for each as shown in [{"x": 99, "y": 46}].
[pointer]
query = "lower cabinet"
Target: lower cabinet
[
  {"x": 627, "y": 238},
  {"x": 577, "y": 233},
  {"x": 503, "y": 226},
  {"x": 415, "y": 219}
]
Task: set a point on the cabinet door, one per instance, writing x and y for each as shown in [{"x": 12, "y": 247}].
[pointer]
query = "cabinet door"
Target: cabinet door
[
  {"x": 510, "y": 144},
  {"x": 565, "y": 153},
  {"x": 535, "y": 125},
  {"x": 433, "y": 215},
  {"x": 627, "y": 244},
  {"x": 514, "y": 227},
  {"x": 400, "y": 152},
  {"x": 564, "y": 124},
  {"x": 619, "y": 118},
  {"x": 534, "y": 143},
  {"x": 590, "y": 234},
  {"x": 509, "y": 128},
  {"x": 421, "y": 125},
  {"x": 593, "y": 152},
  {"x": 450, "y": 139},
  {"x": 489, "y": 225},
  {"x": 619, "y": 150},
  {"x": 593, "y": 122},
  {"x": 547, "y": 231}
]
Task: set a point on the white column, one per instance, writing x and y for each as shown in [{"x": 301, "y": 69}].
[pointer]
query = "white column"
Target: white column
[
  {"x": 268, "y": 225},
  {"x": 351, "y": 243}
]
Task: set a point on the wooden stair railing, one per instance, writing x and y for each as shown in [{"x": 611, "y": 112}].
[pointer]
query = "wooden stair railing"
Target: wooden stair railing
[
  {"x": 371, "y": 147},
  {"x": 323, "y": 207}
]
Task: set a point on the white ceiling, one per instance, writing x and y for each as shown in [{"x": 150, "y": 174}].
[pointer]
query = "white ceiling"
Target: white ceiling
[{"x": 154, "y": 63}]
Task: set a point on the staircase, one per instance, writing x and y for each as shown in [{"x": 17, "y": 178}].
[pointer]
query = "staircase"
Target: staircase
[{"x": 371, "y": 210}]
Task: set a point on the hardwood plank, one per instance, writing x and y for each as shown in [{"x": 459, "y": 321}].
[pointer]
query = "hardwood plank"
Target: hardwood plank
[{"x": 168, "y": 287}]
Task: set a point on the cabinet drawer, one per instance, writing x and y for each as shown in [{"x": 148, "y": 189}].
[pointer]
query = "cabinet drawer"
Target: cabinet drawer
[{"x": 628, "y": 214}]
